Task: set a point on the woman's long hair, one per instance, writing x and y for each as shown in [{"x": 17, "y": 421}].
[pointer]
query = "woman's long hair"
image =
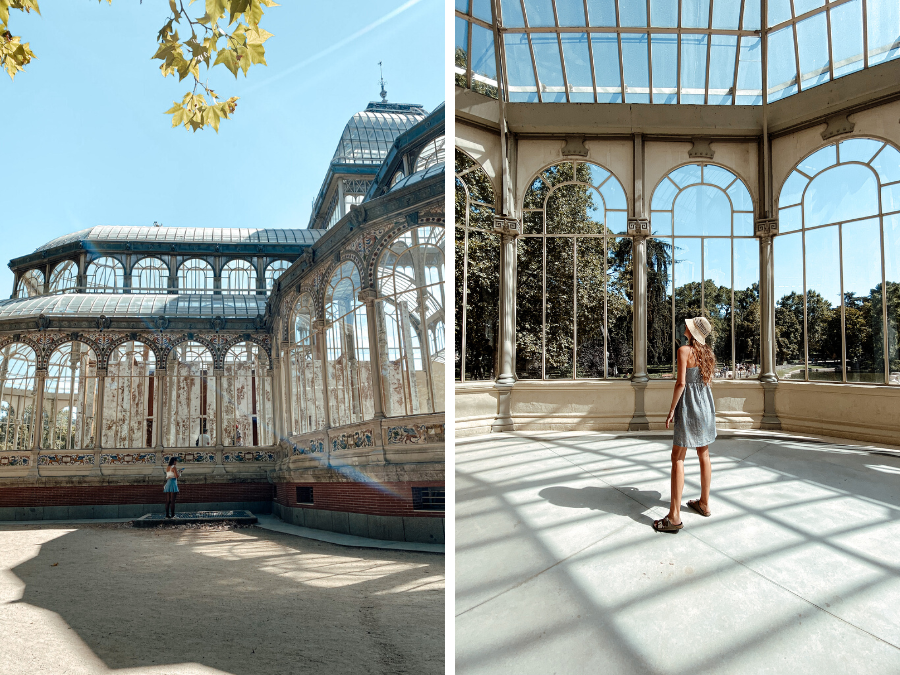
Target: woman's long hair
[
  {"x": 706, "y": 360},
  {"x": 172, "y": 461}
]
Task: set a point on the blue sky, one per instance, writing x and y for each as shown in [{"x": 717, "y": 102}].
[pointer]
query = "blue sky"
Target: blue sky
[{"x": 86, "y": 141}]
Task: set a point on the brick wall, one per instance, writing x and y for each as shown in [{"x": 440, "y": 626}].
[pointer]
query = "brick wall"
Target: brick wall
[
  {"x": 204, "y": 493},
  {"x": 382, "y": 499}
]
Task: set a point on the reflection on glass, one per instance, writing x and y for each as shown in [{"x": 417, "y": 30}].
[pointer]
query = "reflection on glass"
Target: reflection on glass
[
  {"x": 702, "y": 209},
  {"x": 842, "y": 193},
  {"x": 863, "y": 321},
  {"x": 823, "y": 303},
  {"x": 790, "y": 336}
]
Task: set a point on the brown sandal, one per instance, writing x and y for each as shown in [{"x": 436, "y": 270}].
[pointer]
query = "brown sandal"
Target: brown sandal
[
  {"x": 695, "y": 504},
  {"x": 666, "y": 525}
]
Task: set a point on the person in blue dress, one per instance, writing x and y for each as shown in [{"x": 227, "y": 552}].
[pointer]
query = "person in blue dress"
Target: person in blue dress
[
  {"x": 694, "y": 414},
  {"x": 171, "y": 487}
]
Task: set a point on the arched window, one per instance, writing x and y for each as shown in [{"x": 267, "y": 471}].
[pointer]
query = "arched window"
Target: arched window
[
  {"x": 17, "y": 396},
  {"x": 247, "y": 394},
  {"x": 149, "y": 275},
  {"x": 238, "y": 276},
  {"x": 190, "y": 401},
  {"x": 347, "y": 349},
  {"x": 307, "y": 389},
  {"x": 477, "y": 274},
  {"x": 703, "y": 247},
  {"x": 275, "y": 270},
  {"x": 410, "y": 314},
  {"x": 195, "y": 276},
  {"x": 573, "y": 293},
  {"x": 838, "y": 249},
  {"x": 431, "y": 154},
  {"x": 64, "y": 277},
  {"x": 70, "y": 398},
  {"x": 105, "y": 275},
  {"x": 130, "y": 397},
  {"x": 31, "y": 284}
]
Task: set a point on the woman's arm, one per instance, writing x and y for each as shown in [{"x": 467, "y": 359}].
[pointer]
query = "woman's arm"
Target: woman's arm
[{"x": 679, "y": 382}]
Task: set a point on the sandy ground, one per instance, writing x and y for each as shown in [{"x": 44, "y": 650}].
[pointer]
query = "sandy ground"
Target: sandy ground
[{"x": 111, "y": 598}]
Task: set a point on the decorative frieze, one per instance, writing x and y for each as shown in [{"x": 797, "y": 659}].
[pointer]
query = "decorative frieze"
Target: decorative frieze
[
  {"x": 314, "y": 446},
  {"x": 415, "y": 434},
  {"x": 66, "y": 459},
  {"x": 15, "y": 460},
  {"x": 248, "y": 456},
  {"x": 191, "y": 457},
  {"x": 363, "y": 438},
  {"x": 128, "y": 458}
]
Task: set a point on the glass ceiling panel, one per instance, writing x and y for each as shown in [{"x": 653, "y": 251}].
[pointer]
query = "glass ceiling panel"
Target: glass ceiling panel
[{"x": 710, "y": 48}]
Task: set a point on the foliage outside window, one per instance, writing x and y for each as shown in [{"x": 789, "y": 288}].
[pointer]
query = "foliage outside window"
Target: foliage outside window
[
  {"x": 574, "y": 288},
  {"x": 703, "y": 246},
  {"x": 239, "y": 276},
  {"x": 475, "y": 65},
  {"x": 64, "y": 277},
  {"x": 247, "y": 398},
  {"x": 306, "y": 373},
  {"x": 130, "y": 397},
  {"x": 195, "y": 276},
  {"x": 837, "y": 265},
  {"x": 70, "y": 398},
  {"x": 349, "y": 369},
  {"x": 105, "y": 275},
  {"x": 190, "y": 401},
  {"x": 149, "y": 275},
  {"x": 410, "y": 320},
  {"x": 17, "y": 396},
  {"x": 31, "y": 284},
  {"x": 477, "y": 274},
  {"x": 275, "y": 270}
]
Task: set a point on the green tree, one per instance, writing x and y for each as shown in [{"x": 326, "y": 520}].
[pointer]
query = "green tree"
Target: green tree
[
  {"x": 789, "y": 328},
  {"x": 236, "y": 43}
]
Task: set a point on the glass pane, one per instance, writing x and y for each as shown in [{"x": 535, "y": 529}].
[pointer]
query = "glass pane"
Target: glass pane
[
  {"x": 823, "y": 304},
  {"x": 751, "y": 17},
  {"x": 717, "y": 300},
  {"x": 723, "y": 51},
  {"x": 512, "y": 13},
  {"x": 462, "y": 6},
  {"x": 591, "y": 295},
  {"x": 790, "y": 219},
  {"x": 619, "y": 320},
  {"x": 845, "y": 192},
  {"x": 602, "y": 12},
  {"x": 596, "y": 174},
  {"x": 560, "y": 307},
  {"x": 617, "y": 222},
  {"x": 661, "y": 222},
  {"x": 789, "y": 333},
  {"x": 702, "y": 209},
  {"x": 819, "y": 160},
  {"x": 746, "y": 307},
  {"x": 659, "y": 308},
  {"x": 859, "y": 149},
  {"x": 804, "y": 6},
  {"x": 539, "y": 13},
  {"x": 578, "y": 67},
  {"x": 606, "y": 68},
  {"x": 633, "y": 13},
  {"x": 812, "y": 43},
  {"x": 637, "y": 76},
  {"x": 549, "y": 67},
  {"x": 863, "y": 320},
  {"x": 529, "y": 307},
  {"x": 792, "y": 190},
  {"x": 740, "y": 196},
  {"x": 779, "y": 11},
  {"x": 484, "y": 61},
  {"x": 892, "y": 274},
  {"x": 686, "y": 175},
  {"x": 482, "y": 309},
  {"x": 481, "y": 9},
  {"x": 887, "y": 164},
  {"x": 846, "y": 38},
  {"x": 890, "y": 198},
  {"x": 664, "y": 14},
  {"x": 664, "y": 194},
  {"x": 693, "y": 68},
  {"x": 688, "y": 275},
  {"x": 749, "y": 84},
  {"x": 613, "y": 195},
  {"x": 782, "y": 66},
  {"x": 519, "y": 70},
  {"x": 726, "y": 14},
  {"x": 665, "y": 68},
  {"x": 715, "y": 175},
  {"x": 695, "y": 13},
  {"x": 575, "y": 209},
  {"x": 743, "y": 224},
  {"x": 570, "y": 13},
  {"x": 534, "y": 222},
  {"x": 462, "y": 51},
  {"x": 883, "y": 25}
]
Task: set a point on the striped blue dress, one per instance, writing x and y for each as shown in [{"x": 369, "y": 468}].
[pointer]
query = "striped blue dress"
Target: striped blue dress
[{"x": 695, "y": 413}]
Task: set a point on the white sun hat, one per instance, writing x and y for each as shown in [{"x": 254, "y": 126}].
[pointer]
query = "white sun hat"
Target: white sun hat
[{"x": 700, "y": 328}]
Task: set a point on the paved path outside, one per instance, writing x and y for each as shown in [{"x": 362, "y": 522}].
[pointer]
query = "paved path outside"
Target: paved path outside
[
  {"x": 558, "y": 569},
  {"x": 103, "y": 598}
]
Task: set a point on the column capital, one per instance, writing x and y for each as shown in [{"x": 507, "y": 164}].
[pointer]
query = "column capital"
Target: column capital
[
  {"x": 639, "y": 227},
  {"x": 765, "y": 227},
  {"x": 507, "y": 225},
  {"x": 368, "y": 295}
]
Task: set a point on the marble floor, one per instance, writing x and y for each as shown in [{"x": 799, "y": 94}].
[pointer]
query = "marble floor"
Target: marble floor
[{"x": 558, "y": 569}]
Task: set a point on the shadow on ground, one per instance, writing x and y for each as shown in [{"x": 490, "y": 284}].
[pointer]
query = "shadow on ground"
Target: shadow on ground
[
  {"x": 244, "y": 601},
  {"x": 607, "y": 499}
]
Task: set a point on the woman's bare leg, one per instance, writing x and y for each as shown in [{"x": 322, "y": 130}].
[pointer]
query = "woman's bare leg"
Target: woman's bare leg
[
  {"x": 678, "y": 453},
  {"x": 168, "y": 501},
  {"x": 705, "y": 475}
]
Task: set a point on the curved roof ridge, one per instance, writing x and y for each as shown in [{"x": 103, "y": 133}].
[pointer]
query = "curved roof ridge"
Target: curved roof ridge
[
  {"x": 368, "y": 135},
  {"x": 133, "y": 305}
]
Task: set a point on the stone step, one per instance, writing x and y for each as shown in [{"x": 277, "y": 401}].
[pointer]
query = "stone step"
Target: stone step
[{"x": 158, "y": 519}]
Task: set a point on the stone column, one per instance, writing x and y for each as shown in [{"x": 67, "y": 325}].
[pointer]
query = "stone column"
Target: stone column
[
  {"x": 639, "y": 229},
  {"x": 765, "y": 229},
  {"x": 38, "y": 423},
  {"x": 367, "y": 296},
  {"x": 509, "y": 229},
  {"x": 321, "y": 347},
  {"x": 98, "y": 426},
  {"x": 287, "y": 393},
  {"x": 219, "y": 380}
]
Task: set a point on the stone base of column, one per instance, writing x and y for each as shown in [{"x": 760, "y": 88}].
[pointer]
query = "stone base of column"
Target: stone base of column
[
  {"x": 503, "y": 421},
  {"x": 95, "y": 470},
  {"x": 639, "y": 421},
  {"x": 220, "y": 466},
  {"x": 33, "y": 468},
  {"x": 770, "y": 420}
]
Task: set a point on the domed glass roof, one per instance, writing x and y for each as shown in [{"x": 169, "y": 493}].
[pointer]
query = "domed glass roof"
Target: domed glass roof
[{"x": 369, "y": 134}]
